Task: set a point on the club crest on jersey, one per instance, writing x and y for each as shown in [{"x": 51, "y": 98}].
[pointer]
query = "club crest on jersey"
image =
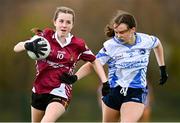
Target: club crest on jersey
[
  {"x": 60, "y": 54},
  {"x": 142, "y": 51}
]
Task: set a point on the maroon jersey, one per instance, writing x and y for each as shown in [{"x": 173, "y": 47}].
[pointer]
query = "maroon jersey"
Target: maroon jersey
[{"x": 61, "y": 59}]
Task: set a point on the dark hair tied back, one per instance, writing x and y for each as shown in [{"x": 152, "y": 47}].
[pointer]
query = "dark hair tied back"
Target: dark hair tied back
[{"x": 109, "y": 31}]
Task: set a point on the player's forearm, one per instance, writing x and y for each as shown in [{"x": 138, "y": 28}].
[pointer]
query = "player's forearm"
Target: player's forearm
[
  {"x": 19, "y": 47},
  {"x": 84, "y": 70},
  {"x": 159, "y": 53}
]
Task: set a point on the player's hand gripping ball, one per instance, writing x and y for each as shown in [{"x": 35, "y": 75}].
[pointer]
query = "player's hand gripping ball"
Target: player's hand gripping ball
[{"x": 38, "y": 48}]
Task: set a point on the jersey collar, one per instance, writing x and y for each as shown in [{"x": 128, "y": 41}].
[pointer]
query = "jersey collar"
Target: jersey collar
[
  {"x": 119, "y": 41},
  {"x": 68, "y": 39}
]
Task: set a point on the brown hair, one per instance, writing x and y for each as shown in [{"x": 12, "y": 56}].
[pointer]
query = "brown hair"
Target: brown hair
[
  {"x": 36, "y": 30},
  {"x": 120, "y": 17},
  {"x": 64, "y": 9}
]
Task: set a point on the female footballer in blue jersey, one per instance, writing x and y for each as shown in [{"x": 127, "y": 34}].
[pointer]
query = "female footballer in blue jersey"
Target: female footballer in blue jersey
[{"x": 127, "y": 55}]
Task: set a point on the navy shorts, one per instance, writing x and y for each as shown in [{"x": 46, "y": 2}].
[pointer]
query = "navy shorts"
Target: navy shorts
[
  {"x": 41, "y": 101},
  {"x": 115, "y": 99}
]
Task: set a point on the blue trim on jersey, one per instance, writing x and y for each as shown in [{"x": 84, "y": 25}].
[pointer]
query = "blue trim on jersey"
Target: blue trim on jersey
[
  {"x": 137, "y": 80},
  {"x": 154, "y": 42},
  {"x": 138, "y": 38},
  {"x": 101, "y": 55},
  {"x": 113, "y": 80},
  {"x": 119, "y": 41},
  {"x": 143, "y": 75}
]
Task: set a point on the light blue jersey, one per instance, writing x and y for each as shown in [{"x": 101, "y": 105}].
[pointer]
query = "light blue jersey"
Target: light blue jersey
[{"x": 127, "y": 64}]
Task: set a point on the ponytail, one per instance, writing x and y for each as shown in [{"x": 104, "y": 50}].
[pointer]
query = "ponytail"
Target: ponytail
[
  {"x": 109, "y": 31},
  {"x": 36, "y": 31}
]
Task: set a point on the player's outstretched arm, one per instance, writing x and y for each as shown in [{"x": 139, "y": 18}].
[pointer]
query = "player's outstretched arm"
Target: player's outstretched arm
[
  {"x": 160, "y": 59},
  {"x": 88, "y": 67},
  {"x": 19, "y": 47},
  {"x": 84, "y": 71}
]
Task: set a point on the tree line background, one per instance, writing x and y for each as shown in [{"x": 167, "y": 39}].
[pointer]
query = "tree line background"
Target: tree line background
[{"x": 17, "y": 17}]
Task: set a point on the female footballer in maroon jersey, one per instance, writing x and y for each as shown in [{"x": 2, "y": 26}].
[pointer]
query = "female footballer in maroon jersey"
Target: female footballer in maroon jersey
[{"x": 50, "y": 95}]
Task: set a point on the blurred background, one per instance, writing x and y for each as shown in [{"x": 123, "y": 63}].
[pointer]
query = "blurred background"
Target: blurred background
[{"x": 17, "y": 17}]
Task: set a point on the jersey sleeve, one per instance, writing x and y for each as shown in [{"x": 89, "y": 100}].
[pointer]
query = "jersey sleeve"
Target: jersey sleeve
[
  {"x": 87, "y": 55},
  {"x": 103, "y": 56},
  {"x": 155, "y": 41}
]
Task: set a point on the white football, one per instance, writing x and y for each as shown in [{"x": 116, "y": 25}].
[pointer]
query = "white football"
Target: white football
[{"x": 43, "y": 41}]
